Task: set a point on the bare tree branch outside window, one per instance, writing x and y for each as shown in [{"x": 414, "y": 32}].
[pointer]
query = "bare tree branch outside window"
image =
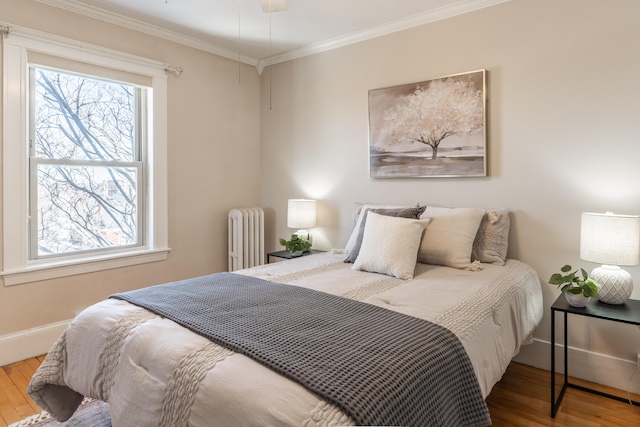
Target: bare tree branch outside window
[
  {"x": 431, "y": 128},
  {"x": 86, "y": 158}
]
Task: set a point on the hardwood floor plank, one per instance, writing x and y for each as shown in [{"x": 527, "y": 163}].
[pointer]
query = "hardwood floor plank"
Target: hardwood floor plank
[
  {"x": 28, "y": 368},
  {"x": 5, "y": 381},
  {"x": 522, "y": 398},
  {"x": 32, "y": 365},
  {"x": 17, "y": 401},
  {"x": 15, "y": 371},
  {"x": 8, "y": 411}
]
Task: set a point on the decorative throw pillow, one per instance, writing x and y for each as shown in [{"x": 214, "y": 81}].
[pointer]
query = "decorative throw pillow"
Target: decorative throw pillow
[
  {"x": 357, "y": 219},
  {"x": 413, "y": 213},
  {"x": 492, "y": 240},
  {"x": 390, "y": 245},
  {"x": 449, "y": 238}
]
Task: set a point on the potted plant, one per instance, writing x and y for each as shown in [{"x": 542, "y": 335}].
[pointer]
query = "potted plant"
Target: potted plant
[
  {"x": 296, "y": 246},
  {"x": 578, "y": 289}
]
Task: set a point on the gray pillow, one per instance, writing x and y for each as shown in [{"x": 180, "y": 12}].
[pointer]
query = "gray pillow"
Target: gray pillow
[
  {"x": 400, "y": 212},
  {"x": 492, "y": 240}
]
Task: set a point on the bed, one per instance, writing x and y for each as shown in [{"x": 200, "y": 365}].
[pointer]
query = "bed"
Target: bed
[{"x": 155, "y": 372}]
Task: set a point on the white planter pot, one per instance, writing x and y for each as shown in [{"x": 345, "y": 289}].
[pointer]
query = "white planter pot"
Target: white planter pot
[{"x": 577, "y": 300}]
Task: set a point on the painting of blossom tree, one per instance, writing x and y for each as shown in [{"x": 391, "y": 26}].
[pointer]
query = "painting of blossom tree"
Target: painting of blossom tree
[{"x": 435, "y": 128}]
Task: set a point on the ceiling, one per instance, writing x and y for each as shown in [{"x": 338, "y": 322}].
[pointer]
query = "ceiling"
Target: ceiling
[{"x": 240, "y": 29}]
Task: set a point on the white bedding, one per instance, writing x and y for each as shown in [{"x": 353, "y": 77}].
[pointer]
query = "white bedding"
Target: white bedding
[{"x": 156, "y": 373}]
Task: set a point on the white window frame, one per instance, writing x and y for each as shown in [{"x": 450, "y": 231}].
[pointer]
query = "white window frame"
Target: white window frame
[
  {"x": 138, "y": 162},
  {"x": 17, "y": 268}
]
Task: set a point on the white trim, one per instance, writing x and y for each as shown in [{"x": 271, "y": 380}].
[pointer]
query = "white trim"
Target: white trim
[
  {"x": 458, "y": 8},
  {"x": 55, "y": 270},
  {"x": 586, "y": 365},
  {"x": 143, "y": 27},
  {"x": 29, "y": 343},
  {"x": 17, "y": 266},
  {"x": 15, "y": 203},
  {"x": 52, "y": 44}
]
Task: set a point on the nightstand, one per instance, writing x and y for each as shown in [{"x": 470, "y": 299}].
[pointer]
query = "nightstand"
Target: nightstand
[
  {"x": 628, "y": 312},
  {"x": 287, "y": 254}
]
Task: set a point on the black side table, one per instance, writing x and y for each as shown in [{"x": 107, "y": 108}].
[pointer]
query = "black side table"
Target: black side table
[
  {"x": 628, "y": 312},
  {"x": 287, "y": 255}
]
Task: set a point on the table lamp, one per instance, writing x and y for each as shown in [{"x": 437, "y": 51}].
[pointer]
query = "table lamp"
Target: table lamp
[
  {"x": 611, "y": 240},
  {"x": 301, "y": 214}
]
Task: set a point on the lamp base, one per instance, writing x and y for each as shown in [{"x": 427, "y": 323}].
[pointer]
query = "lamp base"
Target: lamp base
[
  {"x": 303, "y": 234},
  {"x": 616, "y": 284}
]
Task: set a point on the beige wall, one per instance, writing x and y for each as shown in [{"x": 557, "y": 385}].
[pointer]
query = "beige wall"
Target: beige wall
[
  {"x": 214, "y": 165},
  {"x": 563, "y": 130}
]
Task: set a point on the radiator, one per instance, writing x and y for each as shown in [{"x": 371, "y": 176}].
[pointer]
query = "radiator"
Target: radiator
[{"x": 246, "y": 238}]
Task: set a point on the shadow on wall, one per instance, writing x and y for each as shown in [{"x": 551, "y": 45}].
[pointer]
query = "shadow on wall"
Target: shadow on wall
[{"x": 270, "y": 230}]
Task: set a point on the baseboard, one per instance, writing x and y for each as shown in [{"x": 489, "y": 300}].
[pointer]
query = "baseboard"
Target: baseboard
[
  {"x": 29, "y": 343},
  {"x": 586, "y": 365}
]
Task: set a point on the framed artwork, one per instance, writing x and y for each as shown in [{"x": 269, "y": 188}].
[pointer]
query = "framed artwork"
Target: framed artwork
[{"x": 434, "y": 128}]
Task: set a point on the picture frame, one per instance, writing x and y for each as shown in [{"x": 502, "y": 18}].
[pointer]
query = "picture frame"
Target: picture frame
[{"x": 431, "y": 129}]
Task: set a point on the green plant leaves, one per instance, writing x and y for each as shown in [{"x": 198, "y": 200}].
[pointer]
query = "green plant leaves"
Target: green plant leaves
[
  {"x": 590, "y": 288},
  {"x": 295, "y": 244},
  {"x": 584, "y": 274},
  {"x": 570, "y": 282}
]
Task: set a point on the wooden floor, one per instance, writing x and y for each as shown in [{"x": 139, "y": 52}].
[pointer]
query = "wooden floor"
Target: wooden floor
[
  {"x": 14, "y": 402},
  {"x": 521, "y": 398}
]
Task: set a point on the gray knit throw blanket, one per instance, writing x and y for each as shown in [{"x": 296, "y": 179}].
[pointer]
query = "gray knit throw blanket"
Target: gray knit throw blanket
[{"x": 380, "y": 367}]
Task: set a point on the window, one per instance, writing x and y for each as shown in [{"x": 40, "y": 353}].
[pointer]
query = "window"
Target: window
[{"x": 85, "y": 140}]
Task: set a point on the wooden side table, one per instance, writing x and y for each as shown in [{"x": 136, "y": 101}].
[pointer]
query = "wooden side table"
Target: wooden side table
[
  {"x": 628, "y": 312},
  {"x": 287, "y": 255}
]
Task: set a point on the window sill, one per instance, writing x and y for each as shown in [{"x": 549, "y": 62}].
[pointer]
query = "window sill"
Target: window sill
[{"x": 55, "y": 270}]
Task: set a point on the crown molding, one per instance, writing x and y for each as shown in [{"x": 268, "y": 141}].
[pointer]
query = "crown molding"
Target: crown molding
[
  {"x": 459, "y": 8},
  {"x": 143, "y": 27}
]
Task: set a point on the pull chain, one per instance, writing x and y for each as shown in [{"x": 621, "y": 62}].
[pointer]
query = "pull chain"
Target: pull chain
[{"x": 270, "y": 70}]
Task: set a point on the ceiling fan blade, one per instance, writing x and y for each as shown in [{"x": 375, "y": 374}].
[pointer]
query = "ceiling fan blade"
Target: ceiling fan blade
[{"x": 276, "y": 5}]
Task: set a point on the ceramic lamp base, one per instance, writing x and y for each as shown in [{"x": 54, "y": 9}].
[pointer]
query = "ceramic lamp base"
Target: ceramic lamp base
[
  {"x": 616, "y": 284},
  {"x": 305, "y": 235}
]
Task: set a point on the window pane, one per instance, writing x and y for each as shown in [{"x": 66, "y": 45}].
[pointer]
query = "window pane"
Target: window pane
[
  {"x": 84, "y": 208},
  {"x": 82, "y": 118}
]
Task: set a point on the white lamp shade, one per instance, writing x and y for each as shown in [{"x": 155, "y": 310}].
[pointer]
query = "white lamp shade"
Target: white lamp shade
[
  {"x": 610, "y": 239},
  {"x": 301, "y": 213}
]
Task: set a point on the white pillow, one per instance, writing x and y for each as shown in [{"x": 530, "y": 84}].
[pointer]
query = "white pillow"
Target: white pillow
[
  {"x": 412, "y": 213},
  {"x": 357, "y": 219},
  {"x": 390, "y": 245},
  {"x": 449, "y": 238}
]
